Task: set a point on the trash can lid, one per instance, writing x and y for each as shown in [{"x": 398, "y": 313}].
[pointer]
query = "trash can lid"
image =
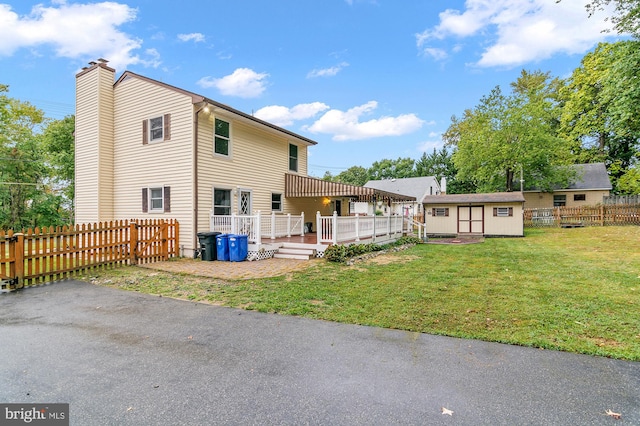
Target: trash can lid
[{"x": 207, "y": 234}]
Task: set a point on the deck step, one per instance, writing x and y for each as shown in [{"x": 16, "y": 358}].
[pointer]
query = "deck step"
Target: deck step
[
  {"x": 290, "y": 251},
  {"x": 292, "y": 256}
]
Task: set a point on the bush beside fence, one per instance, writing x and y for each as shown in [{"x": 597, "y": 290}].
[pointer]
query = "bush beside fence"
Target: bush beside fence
[{"x": 39, "y": 255}]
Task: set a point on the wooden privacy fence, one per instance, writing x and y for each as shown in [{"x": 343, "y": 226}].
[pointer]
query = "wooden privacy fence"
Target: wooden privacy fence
[
  {"x": 600, "y": 215},
  {"x": 46, "y": 254}
]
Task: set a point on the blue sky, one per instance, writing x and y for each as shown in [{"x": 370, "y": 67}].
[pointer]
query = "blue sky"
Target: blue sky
[{"x": 366, "y": 79}]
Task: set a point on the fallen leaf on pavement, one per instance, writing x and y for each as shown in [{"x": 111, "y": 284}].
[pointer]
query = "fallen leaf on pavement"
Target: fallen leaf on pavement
[
  {"x": 447, "y": 411},
  {"x": 614, "y": 415}
]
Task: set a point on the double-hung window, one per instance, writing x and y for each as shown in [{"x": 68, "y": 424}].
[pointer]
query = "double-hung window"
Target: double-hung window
[
  {"x": 503, "y": 211},
  {"x": 293, "y": 157},
  {"x": 276, "y": 202},
  {"x": 221, "y": 202},
  {"x": 156, "y": 199},
  {"x": 440, "y": 211},
  {"x": 156, "y": 129},
  {"x": 222, "y": 137}
]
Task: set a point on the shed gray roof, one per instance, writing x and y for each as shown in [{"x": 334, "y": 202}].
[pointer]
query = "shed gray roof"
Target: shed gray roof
[
  {"x": 591, "y": 176},
  {"x": 417, "y": 186},
  {"x": 495, "y": 197}
]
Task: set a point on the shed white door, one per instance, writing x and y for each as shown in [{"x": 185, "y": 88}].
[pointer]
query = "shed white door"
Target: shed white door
[{"x": 470, "y": 219}]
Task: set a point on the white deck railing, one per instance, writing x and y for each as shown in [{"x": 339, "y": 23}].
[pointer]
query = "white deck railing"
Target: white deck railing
[
  {"x": 338, "y": 229},
  {"x": 330, "y": 229},
  {"x": 258, "y": 226}
]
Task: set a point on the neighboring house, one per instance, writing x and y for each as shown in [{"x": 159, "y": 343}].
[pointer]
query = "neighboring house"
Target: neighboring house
[
  {"x": 418, "y": 187},
  {"x": 589, "y": 187},
  {"x": 497, "y": 214},
  {"x": 145, "y": 149}
]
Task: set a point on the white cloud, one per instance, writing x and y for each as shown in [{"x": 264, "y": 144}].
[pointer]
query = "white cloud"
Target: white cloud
[
  {"x": 283, "y": 116},
  {"x": 243, "y": 82},
  {"x": 327, "y": 72},
  {"x": 347, "y": 125},
  {"x": 195, "y": 37},
  {"x": 519, "y": 31},
  {"x": 78, "y": 31}
]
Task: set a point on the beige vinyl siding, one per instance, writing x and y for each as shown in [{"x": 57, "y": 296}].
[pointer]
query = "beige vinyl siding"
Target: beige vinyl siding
[
  {"x": 162, "y": 163},
  {"x": 257, "y": 162},
  {"x": 537, "y": 200},
  {"x": 94, "y": 146},
  {"x": 504, "y": 226},
  {"x": 444, "y": 225}
]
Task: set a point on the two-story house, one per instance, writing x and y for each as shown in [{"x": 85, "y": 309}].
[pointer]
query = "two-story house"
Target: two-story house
[{"x": 146, "y": 149}]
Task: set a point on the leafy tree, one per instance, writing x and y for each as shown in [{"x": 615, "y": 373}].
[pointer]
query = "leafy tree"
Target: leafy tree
[
  {"x": 601, "y": 113},
  {"x": 509, "y": 132},
  {"x": 440, "y": 164},
  {"x": 390, "y": 169},
  {"x": 59, "y": 144},
  {"x": 355, "y": 175},
  {"x": 626, "y": 18},
  {"x": 629, "y": 183}
]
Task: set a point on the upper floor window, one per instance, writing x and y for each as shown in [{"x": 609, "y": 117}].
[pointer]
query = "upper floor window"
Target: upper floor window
[
  {"x": 222, "y": 137},
  {"x": 293, "y": 157},
  {"x": 156, "y": 129}
]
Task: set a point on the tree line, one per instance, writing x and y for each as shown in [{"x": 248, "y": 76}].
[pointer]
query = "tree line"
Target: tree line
[{"x": 538, "y": 128}]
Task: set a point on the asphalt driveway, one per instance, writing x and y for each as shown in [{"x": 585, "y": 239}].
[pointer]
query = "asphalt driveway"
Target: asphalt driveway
[{"x": 122, "y": 358}]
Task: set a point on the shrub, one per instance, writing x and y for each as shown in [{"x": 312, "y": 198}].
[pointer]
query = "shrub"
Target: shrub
[{"x": 342, "y": 253}]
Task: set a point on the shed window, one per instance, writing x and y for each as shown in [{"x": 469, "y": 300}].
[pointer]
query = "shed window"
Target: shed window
[
  {"x": 579, "y": 197},
  {"x": 503, "y": 211},
  {"x": 440, "y": 211}
]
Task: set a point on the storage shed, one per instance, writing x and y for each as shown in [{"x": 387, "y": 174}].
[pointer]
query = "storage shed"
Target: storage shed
[{"x": 497, "y": 214}]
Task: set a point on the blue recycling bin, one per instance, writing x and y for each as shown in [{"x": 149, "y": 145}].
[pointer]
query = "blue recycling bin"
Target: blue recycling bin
[
  {"x": 222, "y": 246},
  {"x": 238, "y": 248}
]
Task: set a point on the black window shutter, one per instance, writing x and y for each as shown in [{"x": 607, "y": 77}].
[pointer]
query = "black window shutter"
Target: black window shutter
[
  {"x": 495, "y": 211},
  {"x": 433, "y": 212},
  {"x": 167, "y": 199},
  {"x": 446, "y": 211},
  {"x": 510, "y": 211},
  {"x": 167, "y": 127},
  {"x": 145, "y": 132},
  {"x": 145, "y": 200}
]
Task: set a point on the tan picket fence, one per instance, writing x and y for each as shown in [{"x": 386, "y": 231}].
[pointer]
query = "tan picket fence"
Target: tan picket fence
[
  {"x": 600, "y": 215},
  {"x": 39, "y": 255}
]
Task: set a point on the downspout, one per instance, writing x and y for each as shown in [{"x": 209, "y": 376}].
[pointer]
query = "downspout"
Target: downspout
[{"x": 195, "y": 177}]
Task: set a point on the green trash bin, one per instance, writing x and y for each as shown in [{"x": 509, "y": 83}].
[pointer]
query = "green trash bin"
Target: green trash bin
[{"x": 208, "y": 245}]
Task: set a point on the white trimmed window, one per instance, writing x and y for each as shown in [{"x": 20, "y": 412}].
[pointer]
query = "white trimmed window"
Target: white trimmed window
[
  {"x": 276, "y": 202},
  {"x": 440, "y": 211},
  {"x": 503, "y": 211},
  {"x": 156, "y": 129},
  {"x": 156, "y": 199},
  {"x": 293, "y": 157},
  {"x": 222, "y": 138},
  {"x": 221, "y": 202}
]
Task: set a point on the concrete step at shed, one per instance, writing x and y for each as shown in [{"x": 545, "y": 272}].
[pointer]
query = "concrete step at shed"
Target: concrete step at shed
[{"x": 286, "y": 252}]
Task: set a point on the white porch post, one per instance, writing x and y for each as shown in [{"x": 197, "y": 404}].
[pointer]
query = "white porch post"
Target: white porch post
[
  {"x": 334, "y": 228},
  {"x": 288, "y": 225},
  {"x": 233, "y": 223},
  {"x": 388, "y": 225},
  {"x": 258, "y": 228},
  {"x": 302, "y": 222},
  {"x": 273, "y": 225},
  {"x": 319, "y": 230},
  {"x": 357, "y": 227},
  {"x": 375, "y": 219}
]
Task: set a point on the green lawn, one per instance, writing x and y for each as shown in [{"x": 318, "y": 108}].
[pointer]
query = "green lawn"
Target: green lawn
[{"x": 574, "y": 290}]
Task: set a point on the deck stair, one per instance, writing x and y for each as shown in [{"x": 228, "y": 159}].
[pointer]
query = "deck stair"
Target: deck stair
[{"x": 295, "y": 251}]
